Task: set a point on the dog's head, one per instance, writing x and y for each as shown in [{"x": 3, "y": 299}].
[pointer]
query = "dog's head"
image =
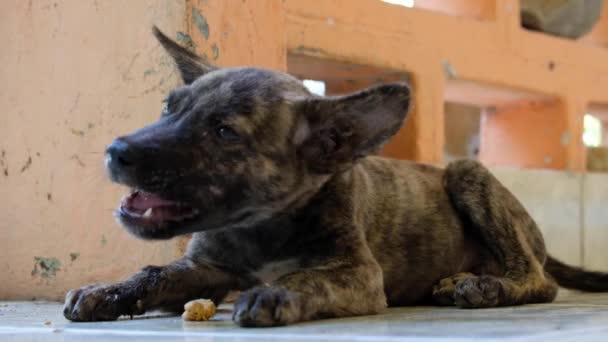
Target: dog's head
[{"x": 234, "y": 146}]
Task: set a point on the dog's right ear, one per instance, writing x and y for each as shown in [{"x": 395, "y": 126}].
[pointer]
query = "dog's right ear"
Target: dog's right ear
[
  {"x": 334, "y": 132},
  {"x": 189, "y": 64}
]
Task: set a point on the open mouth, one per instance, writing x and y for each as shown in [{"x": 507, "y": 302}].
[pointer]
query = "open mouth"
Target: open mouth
[{"x": 148, "y": 209}]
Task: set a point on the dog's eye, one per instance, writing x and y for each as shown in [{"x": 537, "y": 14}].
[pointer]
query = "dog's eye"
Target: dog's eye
[
  {"x": 165, "y": 111},
  {"x": 226, "y": 133}
]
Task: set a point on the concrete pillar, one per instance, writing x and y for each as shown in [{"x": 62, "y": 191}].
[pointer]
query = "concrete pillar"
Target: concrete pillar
[{"x": 422, "y": 137}]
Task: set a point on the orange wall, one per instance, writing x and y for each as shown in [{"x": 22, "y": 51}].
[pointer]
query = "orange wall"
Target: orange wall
[
  {"x": 437, "y": 48},
  {"x": 75, "y": 74},
  {"x": 529, "y": 135}
]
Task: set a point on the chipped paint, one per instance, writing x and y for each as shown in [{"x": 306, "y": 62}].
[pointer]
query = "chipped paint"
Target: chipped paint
[
  {"x": 74, "y": 256},
  {"x": 46, "y": 267},
  {"x": 215, "y": 50},
  {"x": 126, "y": 74},
  {"x": 75, "y": 104},
  {"x": 27, "y": 164},
  {"x": 201, "y": 23},
  {"x": 79, "y": 161},
  {"x": 310, "y": 51},
  {"x": 149, "y": 72},
  {"x": 185, "y": 40},
  {"x": 3, "y": 163},
  {"x": 449, "y": 70},
  {"x": 77, "y": 132}
]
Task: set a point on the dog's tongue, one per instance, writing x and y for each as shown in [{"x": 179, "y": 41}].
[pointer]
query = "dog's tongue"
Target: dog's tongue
[
  {"x": 142, "y": 200},
  {"x": 153, "y": 209}
]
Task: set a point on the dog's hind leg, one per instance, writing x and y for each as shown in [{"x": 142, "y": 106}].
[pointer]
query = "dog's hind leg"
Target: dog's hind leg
[{"x": 491, "y": 213}]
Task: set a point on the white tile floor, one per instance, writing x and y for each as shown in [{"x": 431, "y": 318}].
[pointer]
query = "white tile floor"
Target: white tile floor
[{"x": 574, "y": 317}]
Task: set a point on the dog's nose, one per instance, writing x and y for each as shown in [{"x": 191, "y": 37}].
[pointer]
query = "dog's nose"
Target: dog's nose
[{"x": 119, "y": 154}]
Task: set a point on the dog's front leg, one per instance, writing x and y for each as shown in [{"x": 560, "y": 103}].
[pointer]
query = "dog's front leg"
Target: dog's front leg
[
  {"x": 153, "y": 288},
  {"x": 338, "y": 288}
]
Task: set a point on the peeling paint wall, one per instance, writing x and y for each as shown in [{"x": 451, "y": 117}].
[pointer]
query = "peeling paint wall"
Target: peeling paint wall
[{"x": 75, "y": 74}]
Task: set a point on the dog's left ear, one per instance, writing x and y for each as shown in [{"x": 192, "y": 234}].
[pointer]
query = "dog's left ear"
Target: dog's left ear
[
  {"x": 339, "y": 130},
  {"x": 189, "y": 64}
]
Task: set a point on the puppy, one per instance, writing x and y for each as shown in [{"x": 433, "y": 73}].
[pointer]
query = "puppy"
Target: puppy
[{"x": 287, "y": 204}]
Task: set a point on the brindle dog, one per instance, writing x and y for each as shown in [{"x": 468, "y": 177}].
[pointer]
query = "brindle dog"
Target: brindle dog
[{"x": 287, "y": 205}]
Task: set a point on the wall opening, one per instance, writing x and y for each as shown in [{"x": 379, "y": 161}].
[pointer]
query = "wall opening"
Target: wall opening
[
  {"x": 504, "y": 127},
  {"x": 476, "y": 9},
  {"x": 316, "y": 87},
  {"x": 595, "y": 137},
  {"x": 592, "y": 131},
  {"x": 334, "y": 78},
  {"x": 404, "y": 3},
  {"x": 461, "y": 132}
]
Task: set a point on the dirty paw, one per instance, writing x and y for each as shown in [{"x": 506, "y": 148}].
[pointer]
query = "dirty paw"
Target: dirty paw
[
  {"x": 478, "y": 292},
  {"x": 266, "y": 306},
  {"x": 95, "y": 303},
  {"x": 443, "y": 293}
]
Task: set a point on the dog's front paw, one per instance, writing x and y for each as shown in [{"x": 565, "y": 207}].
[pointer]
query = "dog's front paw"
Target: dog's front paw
[
  {"x": 95, "y": 303},
  {"x": 479, "y": 292},
  {"x": 266, "y": 306}
]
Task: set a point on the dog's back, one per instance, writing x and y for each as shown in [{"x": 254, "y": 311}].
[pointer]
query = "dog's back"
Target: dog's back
[{"x": 410, "y": 225}]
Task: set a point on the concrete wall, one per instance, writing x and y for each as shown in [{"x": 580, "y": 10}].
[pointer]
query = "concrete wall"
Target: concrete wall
[
  {"x": 554, "y": 200},
  {"x": 595, "y": 219},
  {"x": 75, "y": 74},
  {"x": 570, "y": 210},
  {"x": 461, "y": 131}
]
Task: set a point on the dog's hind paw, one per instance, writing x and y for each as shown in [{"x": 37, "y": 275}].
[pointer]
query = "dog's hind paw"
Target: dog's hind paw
[
  {"x": 443, "y": 292},
  {"x": 479, "y": 292}
]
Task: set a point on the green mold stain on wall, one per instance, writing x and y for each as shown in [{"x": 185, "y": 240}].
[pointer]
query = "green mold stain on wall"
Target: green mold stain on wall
[
  {"x": 46, "y": 267},
  {"x": 74, "y": 256},
  {"x": 201, "y": 23},
  {"x": 186, "y": 40},
  {"x": 215, "y": 50}
]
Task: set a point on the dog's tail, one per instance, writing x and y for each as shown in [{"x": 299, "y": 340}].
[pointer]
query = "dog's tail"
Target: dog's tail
[{"x": 576, "y": 278}]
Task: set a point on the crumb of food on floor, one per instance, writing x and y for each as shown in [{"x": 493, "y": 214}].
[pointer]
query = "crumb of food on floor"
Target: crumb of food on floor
[{"x": 199, "y": 310}]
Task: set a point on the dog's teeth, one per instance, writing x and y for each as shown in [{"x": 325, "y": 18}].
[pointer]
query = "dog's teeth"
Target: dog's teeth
[{"x": 148, "y": 213}]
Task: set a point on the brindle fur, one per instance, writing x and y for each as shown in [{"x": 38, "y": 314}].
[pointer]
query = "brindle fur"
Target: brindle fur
[{"x": 348, "y": 233}]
